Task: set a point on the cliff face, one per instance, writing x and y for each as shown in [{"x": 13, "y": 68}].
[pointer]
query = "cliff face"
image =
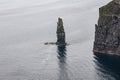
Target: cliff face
[{"x": 107, "y": 31}]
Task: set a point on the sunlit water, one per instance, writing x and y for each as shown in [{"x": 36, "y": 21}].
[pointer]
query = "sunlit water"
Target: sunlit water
[{"x": 25, "y": 25}]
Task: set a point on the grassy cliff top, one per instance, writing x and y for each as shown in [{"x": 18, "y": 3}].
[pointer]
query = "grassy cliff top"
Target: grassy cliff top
[
  {"x": 107, "y": 11},
  {"x": 117, "y": 1},
  {"x": 111, "y": 8}
]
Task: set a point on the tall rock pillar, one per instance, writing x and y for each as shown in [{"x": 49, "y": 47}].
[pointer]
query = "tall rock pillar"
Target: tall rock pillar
[{"x": 60, "y": 32}]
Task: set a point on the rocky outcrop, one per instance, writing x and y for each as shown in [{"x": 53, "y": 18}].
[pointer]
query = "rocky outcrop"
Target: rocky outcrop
[
  {"x": 60, "y": 34},
  {"x": 107, "y": 31},
  {"x": 60, "y": 31}
]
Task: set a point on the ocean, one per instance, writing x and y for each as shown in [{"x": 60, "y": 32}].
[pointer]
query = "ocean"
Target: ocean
[{"x": 25, "y": 25}]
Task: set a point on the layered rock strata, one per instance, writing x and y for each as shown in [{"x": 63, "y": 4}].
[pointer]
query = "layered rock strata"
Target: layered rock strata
[{"x": 107, "y": 31}]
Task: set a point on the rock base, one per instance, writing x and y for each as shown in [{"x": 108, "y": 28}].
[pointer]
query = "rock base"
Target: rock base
[
  {"x": 55, "y": 43},
  {"x": 105, "y": 52}
]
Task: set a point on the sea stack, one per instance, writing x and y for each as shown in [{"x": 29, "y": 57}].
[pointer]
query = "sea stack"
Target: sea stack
[
  {"x": 107, "y": 31},
  {"x": 60, "y": 35},
  {"x": 60, "y": 32}
]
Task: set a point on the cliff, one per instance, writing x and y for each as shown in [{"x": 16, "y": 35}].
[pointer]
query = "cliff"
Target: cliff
[{"x": 107, "y": 31}]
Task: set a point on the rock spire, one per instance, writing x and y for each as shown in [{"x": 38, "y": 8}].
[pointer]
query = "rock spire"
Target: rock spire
[
  {"x": 60, "y": 32},
  {"x": 60, "y": 35}
]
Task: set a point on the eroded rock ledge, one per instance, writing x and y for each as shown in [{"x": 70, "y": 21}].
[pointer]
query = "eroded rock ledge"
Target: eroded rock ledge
[{"x": 107, "y": 31}]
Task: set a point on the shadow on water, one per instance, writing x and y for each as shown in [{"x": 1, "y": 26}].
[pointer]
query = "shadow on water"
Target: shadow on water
[
  {"x": 107, "y": 67},
  {"x": 63, "y": 75}
]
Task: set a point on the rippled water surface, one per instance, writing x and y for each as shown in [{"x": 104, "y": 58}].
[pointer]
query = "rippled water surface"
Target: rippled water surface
[{"x": 25, "y": 25}]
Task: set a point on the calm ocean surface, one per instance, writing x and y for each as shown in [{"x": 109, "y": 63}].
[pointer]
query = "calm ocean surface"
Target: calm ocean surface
[{"x": 25, "y": 25}]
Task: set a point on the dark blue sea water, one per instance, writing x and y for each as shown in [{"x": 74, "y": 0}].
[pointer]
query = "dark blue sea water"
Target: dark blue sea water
[{"x": 25, "y": 25}]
